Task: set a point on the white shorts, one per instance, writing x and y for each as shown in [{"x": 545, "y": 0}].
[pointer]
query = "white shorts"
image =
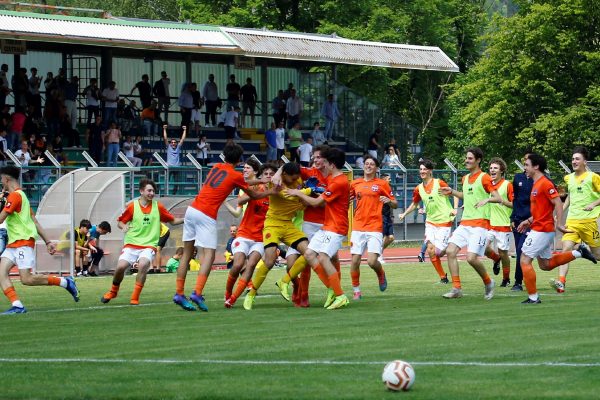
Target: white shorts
[
  {"x": 23, "y": 257},
  {"x": 538, "y": 244},
  {"x": 502, "y": 239},
  {"x": 247, "y": 246},
  {"x": 326, "y": 242},
  {"x": 196, "y": 114},
  {"x": 438, "y": 235},
  {"x": 371, "y": 241},
  {"x": 475, "y": 238},
  {"x": 309, "y": 229},
  {"x": 200, "y": 228},
  {"x": 132, "y": 255}
]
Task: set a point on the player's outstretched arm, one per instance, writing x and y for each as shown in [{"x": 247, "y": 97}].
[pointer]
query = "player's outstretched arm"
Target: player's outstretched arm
[
  {"x": 448, "y": 191},
  {"x": 386, "y": 200},
  {"x": 183, "y": 135},
  {"x": 165, "y": 126},
  {"x": 558, "y": 209},
  {"x": 306, "y": 199},
  {"x": 235, "y": 211},
  {"x": 411, "y": 208},
  {"x": 591, "y": 206},
  {"x": 51, "y": 247}
]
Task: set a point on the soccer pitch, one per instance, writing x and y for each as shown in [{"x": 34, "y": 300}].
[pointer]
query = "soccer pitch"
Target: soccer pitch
[{"x": 464, "y": 348}]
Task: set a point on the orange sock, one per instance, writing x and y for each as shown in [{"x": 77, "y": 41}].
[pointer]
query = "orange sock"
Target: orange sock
[
  {"x": 200, "y": 282},
  {"x": 305, "y": 281},
  {"x": 492, "y": 255},
  {"x": 229, "y": 286},
  {"x": 322, "y": 275},
  {"x": 560, "y": 259},
  {"x": 529, "y": 278},
  {"x": 137, "y": 289},
  {"x": 11, "y": 294},
  {"x": 114, "y": 289},
  {"x": 240, "y": 287},
  {"x": 506, "y": 272},
  {"x": 180, "y": 288},
  {"x": 563, "y": 279},
  {"x": 338, "y": 268},
  {"x": 355, "y": 276},
  {"x": 437, "y": 264},
  {"x": 334, "y": 281},
  {"x": 486, "y": 279},
  {"x": 53, "y": 281},
  {"x": 456, "y": 282}
]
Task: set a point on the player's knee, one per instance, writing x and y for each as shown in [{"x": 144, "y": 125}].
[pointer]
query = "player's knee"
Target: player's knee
[
  {"x": 27, "y": 280},
  {"x": 471, "y": 258}
]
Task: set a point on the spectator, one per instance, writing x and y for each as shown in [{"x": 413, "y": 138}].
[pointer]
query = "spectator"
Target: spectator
[
  {"x": 228, "y": 250},
  {"x": 35, "y": 99},
  {"x": 145, "y": 90},
  {"x": 196, "y": 113},
  {"x": 390, "y": 160},
  {"x": 110, "y": 96},
  {"x": 95, "y": 139},
  {"x": 60, "y": 81},
  {"x": 96, "y": 252},
  {"x": 288, "y": 92},
  {"x": 305, "y": 152},
  {"x": 249, "y": 98},
  {"x": 66, "y": 130},
  {"x": 20, "y": 85},
  {"x": 17, "y": 122},
  {"x": 210, "y": 96},
  {"x": 174, "y": 152},
  {"x": 393, "y": 144},
  {"x": 53, "y": 111},
  {"x": 161, "y": 91},
  {"x": 233, "y": 93},
  {"x": 3, "y": 148},
  {"x": 271, "y": 141},
  {"x": 294, "y": 108},
  {"x": 58, "y": 151},
  {"x": 128, "y": 145},
  {"x": 280, "y": 138},
  {"x": 150, "y": 120},
  {"x": 112, "y": 139},
  {"x": 25, "y": 158},
  {"x": 203, "y": 147},
  {"x": 231, "y": 120},
  {"x": 317, "y": 135},
  {"x": 186, "y": 104},
  {"x": 360, "y": 160},
  {"x": 164, "y": 234},
  {"x": 4, "y": 88},
  {"x": 129, "y": 118},
  {"x": 295, "y": 140},
  {"x": 140, "y": 152},
  {"x": 71, "y": 92},
  {"x": 92, "y": 100},
  {"x": 374, "y": 145},
  {"x": 278, "y": 107},
  {"x": 49, "y": 83},
  {"x": 331, "y": 113},
  {"x": 173, "y": 262}
]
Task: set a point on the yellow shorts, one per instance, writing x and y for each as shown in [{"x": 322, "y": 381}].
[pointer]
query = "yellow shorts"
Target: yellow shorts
[
  {"x": 583, "y": 231},
  {"x": 281, "y": 233}
]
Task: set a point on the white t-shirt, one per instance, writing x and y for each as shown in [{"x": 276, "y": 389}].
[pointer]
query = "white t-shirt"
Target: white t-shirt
[
  {"x": 202, "y": 152},
  {"x": 230, "y": 118},
  {"x": 25, "y": 160},
  {"x": 280, "y": 138},
  {"x": 128, "y": 149},
  {"x": 110, "y": 94},
  {"x": 305, "y": 151}
]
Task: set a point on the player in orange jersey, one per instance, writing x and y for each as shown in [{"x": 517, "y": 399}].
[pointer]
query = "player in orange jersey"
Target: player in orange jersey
[
  {"x": 370, "y": 193},
  {"x": 200, "y": 222},
  {"x": 545, "y": 200}
]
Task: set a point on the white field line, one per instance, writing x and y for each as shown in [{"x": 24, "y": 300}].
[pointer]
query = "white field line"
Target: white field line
[{"x": 296, "y": 362}]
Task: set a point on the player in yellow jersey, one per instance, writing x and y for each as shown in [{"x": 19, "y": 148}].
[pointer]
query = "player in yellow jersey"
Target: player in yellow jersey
[{"x": 583, "y": 201}]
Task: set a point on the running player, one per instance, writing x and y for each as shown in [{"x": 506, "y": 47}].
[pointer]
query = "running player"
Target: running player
[
  {"x": 583, "y": 200},
  {"x": 500, "y": 230},
  {"x": 439, "y": 215},
  {"x": 23, "y": 228},
  {"x": 544, "y": 200},
  {"x": 371, "y": 193},
  {"x": 141, "y": 224},
  {"x": 200, "y": 222},
  {"x": 477, "y": 187}
]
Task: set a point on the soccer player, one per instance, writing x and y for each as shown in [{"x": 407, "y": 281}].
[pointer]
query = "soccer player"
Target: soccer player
[
  {"x": 200, "y": 222},
  {"x": 370, "y": 193},
  {"x": 544, "y": 200},
  {"x": 500, "y": 230},
  {"x": 583, "y": 187},
  {"x": 141, "y": 224},
  {"x": 248, "y": 247},
  {"x": 472, "y": 232},
  {"x": 328, "y": 240},
  {"x": 23, "y": 228},
  {"x": 522, "y": 185},
  {"x": 439, "y": 215}
]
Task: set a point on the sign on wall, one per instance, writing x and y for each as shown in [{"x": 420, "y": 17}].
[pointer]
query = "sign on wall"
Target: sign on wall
[
  {"x": 11, "y": 46},
  {"x": 242, "y": 62}
]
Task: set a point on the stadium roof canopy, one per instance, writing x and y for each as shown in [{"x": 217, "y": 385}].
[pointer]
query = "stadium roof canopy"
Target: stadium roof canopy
[{"x": 210, "y": 39}]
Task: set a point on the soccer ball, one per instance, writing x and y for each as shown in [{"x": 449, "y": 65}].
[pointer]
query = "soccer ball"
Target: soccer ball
[{"x": 398, "y": 375}]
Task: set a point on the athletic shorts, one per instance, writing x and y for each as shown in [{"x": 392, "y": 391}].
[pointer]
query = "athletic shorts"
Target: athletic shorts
[
  {"x": 196, "y": 114},
  {"x": 200, "y": 228},
  {"x": 247, "y": 246},
  {"x": 388, "y": 227},
  {"x": 162, "y": 241},
  {"x": 23, "y": 257},
  {"x": 132, "y": 255},
  {"x": 502, "y": 239},
  {"x": 475, "y": 238},
  {"x": 309, "y": 229},
  {"x": 583, "y": 231},
  {"x": 326, "y": 242},
  {"x": 538, "y": 244},
  {"x": 370, "y": 241},
  {"x": 438, "y": 235},
  {"x": 284, "y": 232}
]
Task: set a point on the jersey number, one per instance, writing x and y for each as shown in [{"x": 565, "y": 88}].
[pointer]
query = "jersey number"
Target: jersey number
[{"x": 215, "y": 178}]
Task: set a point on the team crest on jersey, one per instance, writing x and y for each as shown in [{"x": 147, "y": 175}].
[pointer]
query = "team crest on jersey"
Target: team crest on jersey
[
  {"x": 534, "y": 192},
  {"x": 375, "y": 188},
  {"x": 327, "y": 193},
  {"x": 552, "y": 191}
]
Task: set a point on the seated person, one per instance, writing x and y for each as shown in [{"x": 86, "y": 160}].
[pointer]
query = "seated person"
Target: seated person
[
  {"x": 96, "y": 253},
  {"x": 82, "y": 249},
  {"x": 173, "y": 262}
]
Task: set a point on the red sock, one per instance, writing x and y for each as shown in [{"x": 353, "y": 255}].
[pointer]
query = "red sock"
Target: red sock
[
  {"x": 137, "y": 289},
  {"x": 437, "y": 264},
  {"x": 334, "y": 281},
  {"x": 560, "y": 259},
  {"x": 11, "y": 294},
  {"x": 53, "y": 281},
  {"x": 180, "y": 288},
  {"x": 492, "y": 255},
  {"x": 200, "y": 282},
  {"x": 239, "y": 289},
  {"x": 338, "y": 268},
  {"x": 529, "y": 278},
  {"x": 322, "y": 275},
  {"x": 456, "y": 282},
  {"x": 355, "y": 276},
  {"x": 229, "y": 286},
  {"x": 506, "y": 272},
  {"x": 305, "y": 281}
]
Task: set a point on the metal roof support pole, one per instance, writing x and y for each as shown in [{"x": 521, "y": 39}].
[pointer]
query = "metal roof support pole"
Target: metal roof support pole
[
  {"x": 188, "y": 68},
  {"x": 264, "y": 95},
  {"x": 404, "y": 195},
  {"x": 17, "y": 163},
  {"x": 454, "y": 182},
  {"x": 164, "y": 164},
  {"x": 106, "y": 67}
]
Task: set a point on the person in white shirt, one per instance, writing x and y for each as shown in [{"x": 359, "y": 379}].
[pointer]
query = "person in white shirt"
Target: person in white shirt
[
  {"x": 203, "y": 147},
  {"x": 174, "y": 153},
  {"x": 210, "y": 95},
  {"x": 231, "y": 123},
  {"x": 24, "y": 157},
  {"x": 128, "y": 150},
  {"x": 305, "y": 152},
  {"x": 317, "y": 135},
  {"x": 280, "y": 138},
  {"x": 110, "y": 96},
  {"x": 294, "y": 108}
]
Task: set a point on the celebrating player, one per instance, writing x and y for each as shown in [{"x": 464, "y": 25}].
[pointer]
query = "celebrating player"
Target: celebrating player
[
  {"x": 544, "y": 200},
  {"x": 141, "y": 223}
]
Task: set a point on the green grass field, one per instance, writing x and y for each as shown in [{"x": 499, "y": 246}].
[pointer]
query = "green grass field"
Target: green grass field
[{"x": 461, "y": 349}]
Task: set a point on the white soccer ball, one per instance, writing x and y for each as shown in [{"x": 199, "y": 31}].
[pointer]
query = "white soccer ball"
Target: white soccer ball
[{"x": 398, "y": 375}]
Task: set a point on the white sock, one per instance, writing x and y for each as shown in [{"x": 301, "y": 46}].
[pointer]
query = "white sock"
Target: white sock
[
  {"x": 63, "y": 283},
  {"x": 576, "y": 253},
  {"x": 17, "y": 303},
  {"x": 356, "y": 289},
  {"x": 534, "y": 297}
]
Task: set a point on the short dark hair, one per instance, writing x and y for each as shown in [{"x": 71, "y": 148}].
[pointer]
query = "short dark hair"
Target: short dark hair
[
  {"x": 145, "y": 182},
  {"x": 11, "y": 171},
  {"x": 372, "y": 158},
  {"x": 427, "y": 163},
  {"x": 477, "y": 152},
  {"x": 290, "y": 168},
  {"x": 233, "y": 153},
  {"x": 254, "y": 164},
  {"x": 85, "y": 223},
  {"x": 538, "y": 160},
  {"x": 321, "y": 148},
  {"x": 335, "y": 156},
  {"x": 267, "y": 166},
  {"x": 500, "y": 162},
  {"x": 105, "y": 226},
  {"x": 583, "y": 151}
]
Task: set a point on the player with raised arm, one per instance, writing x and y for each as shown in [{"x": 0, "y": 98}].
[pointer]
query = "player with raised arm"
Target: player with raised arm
[
  {"x": 545, "y": 201},
  {"x": 582, "y": 202},
  {"x": 140, "y": 221},
  {"x": 23, "y": 228},
  {"x": 439, "y": 212},
  {"x": 370, "y": 194}
]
